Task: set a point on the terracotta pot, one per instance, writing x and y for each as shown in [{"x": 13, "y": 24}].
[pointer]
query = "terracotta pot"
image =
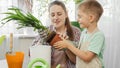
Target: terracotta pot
[
  {"x": 50, "y": 36},
  {"x": 15, "y": 60},
  {"x": 53, "y": 38}
]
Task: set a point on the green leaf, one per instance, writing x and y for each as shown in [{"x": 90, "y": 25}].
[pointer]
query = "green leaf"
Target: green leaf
[
  {"x": 13, "y": 8},
  {"x": 2, "y": 38},
  {"x": 23, "y": 19},
  {"x": 9, "y": 13}
]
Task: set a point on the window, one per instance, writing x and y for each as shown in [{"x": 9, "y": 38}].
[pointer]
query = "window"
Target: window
[
  {"x": 39, "y": 10},
  {"x": 3, "y": 8}
]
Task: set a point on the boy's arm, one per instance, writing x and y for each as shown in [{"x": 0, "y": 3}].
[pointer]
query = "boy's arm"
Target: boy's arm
[
  {"x": 95, "y": 47},
  {"x": 85, "y": 56}
]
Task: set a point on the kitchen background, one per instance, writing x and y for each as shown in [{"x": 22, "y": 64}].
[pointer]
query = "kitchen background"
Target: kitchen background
[{"x": 109, "y": 24}]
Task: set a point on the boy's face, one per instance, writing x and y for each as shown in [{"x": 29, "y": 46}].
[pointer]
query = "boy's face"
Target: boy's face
[{"x": 83, "y": 19}]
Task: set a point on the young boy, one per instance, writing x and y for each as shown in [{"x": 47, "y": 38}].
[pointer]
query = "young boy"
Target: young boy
[{"x": 91, "y": 46}]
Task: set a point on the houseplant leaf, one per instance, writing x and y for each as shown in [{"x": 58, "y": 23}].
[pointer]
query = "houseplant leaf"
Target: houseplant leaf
[{"x": 26, "y": 20}]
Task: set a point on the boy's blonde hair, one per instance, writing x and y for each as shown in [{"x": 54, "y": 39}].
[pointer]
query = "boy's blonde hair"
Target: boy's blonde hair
[{"x": 91, "y": 7}]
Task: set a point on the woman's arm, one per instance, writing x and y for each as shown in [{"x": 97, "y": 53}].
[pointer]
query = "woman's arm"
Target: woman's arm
[
  {"x": 71, "y": 56},
  {"x": 77, "y": 33}
]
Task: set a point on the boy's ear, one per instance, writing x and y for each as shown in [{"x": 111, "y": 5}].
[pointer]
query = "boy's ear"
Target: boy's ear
[{"x": 91, "y": 18}]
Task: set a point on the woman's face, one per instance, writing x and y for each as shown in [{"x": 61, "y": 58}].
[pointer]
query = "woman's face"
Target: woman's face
[{"x": 57, "y": 16}]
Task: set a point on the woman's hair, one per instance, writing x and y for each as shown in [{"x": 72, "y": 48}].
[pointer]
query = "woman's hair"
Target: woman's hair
[
  {"x": 91, "y": 7},
  {"x": 67, "y": 22}
]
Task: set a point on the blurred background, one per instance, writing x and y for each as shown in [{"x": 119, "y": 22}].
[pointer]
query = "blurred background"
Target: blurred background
[{"x": 109, "y": 24}]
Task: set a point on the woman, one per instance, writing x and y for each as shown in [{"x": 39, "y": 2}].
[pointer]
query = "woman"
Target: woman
[{"x": 61, "y": 25}]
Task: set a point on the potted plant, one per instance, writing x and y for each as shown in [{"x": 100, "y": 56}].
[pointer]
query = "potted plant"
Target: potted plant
[{"x": 28, "y": 20}]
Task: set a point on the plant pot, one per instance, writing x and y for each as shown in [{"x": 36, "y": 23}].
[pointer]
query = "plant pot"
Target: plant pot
[
  {"x": 50, "y": 36},
  {"x": 15, "y": 60},
  {"x": 55, "y": 39}
]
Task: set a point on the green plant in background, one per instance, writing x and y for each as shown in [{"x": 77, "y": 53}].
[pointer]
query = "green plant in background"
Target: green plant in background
[
  {"x": 75, "y": 23},
  {"x": 23, "y": 19},
  {"x": 40, "y": 7},
  {"x": 2, "y": 38},
  {"x": 78, "y": 1}
]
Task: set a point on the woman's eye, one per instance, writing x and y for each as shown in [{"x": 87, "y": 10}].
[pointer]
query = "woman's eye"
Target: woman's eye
[
  {"x": 59, "y": 14},
  {"x": 52, "y": 15}
]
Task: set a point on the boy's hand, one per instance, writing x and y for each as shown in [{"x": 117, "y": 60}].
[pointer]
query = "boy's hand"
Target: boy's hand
[{"x": 62, "y": 44}]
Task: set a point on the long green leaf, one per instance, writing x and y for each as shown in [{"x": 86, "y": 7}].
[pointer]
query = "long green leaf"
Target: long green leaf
[
  {"x": 9, "y": 13},
  {"x": 13, "y": 8},
  {"x": 24, "y": 19}
]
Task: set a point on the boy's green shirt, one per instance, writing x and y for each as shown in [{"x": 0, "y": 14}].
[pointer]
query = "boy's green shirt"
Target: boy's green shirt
[{"x": 97, "y": 43}]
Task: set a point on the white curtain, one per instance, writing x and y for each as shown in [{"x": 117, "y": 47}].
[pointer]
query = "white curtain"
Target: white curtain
[
  {"x": 4, "y": 4},
  {"x": 110, "y": 24}
]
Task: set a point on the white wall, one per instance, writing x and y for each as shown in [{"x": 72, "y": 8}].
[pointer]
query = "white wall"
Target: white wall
[{"x": 110, "y": 25}]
